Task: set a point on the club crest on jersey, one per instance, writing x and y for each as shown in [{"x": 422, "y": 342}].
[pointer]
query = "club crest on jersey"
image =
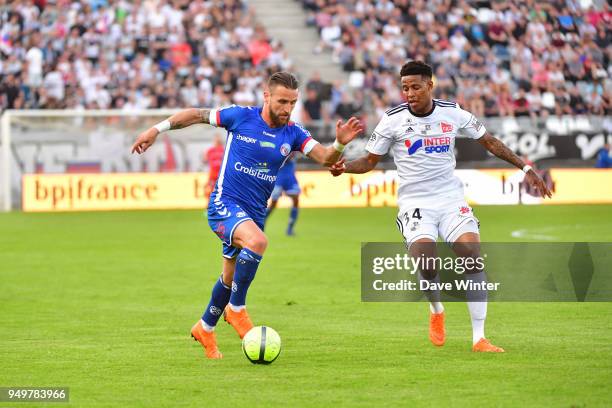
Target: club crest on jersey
[
  {"x": 425, "y": 129},
  {"x": 285, "y": 149},
  {"x": 431, "y": 144},
  {"x": 446, "y": 127},
  {"x": 464, "y": 210}
]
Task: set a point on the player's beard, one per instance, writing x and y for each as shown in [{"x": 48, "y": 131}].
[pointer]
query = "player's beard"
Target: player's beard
[{"x": 276, "y": 119}]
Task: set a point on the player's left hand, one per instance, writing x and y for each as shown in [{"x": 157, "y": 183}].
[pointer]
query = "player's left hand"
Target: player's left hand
[
  {"x": 535, "y": 181},
  {"x": 338, "y": 168},
  {"x": 345, "y": 132}
]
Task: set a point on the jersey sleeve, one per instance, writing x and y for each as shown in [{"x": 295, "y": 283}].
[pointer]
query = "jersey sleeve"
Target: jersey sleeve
[
  {"x": 381, "y": 138},
  {"x": 303, "y": 141},
  {"x": 469, "y": 125},
  {"x": 226, "y": 117}
]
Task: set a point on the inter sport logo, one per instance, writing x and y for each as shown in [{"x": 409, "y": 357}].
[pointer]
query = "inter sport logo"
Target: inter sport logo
[{"x": 431, "y": 144}]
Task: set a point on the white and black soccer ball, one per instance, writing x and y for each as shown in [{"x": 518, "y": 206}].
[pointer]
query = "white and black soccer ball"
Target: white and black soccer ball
[{"x": 261, "y": 345}]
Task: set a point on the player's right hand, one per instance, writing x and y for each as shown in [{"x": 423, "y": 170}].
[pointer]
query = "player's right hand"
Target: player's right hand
[
  {"x": 338, "y": 168},
  {"x": 535, "y": 181},
  {"x": 144, "y": 140}
]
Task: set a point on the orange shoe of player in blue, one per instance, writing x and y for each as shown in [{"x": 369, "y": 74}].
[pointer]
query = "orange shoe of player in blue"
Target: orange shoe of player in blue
[
  {"x": 485, "y": 346},
  {"x": 437, "y": 333},
  {"x": 207, "y": 340},
  {"x": 240, "y": 321}
]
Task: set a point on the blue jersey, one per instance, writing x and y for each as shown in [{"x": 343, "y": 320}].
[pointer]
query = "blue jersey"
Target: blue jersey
[{"x": 254, "y": 153}]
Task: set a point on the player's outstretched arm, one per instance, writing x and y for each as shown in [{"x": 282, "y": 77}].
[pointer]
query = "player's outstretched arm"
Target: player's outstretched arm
[
  {"x": 359, "y": 166},
  {"x": 179, "y": 120},
  {"x": 345, "y": 133},
  {"x": 499, "y": 149}
]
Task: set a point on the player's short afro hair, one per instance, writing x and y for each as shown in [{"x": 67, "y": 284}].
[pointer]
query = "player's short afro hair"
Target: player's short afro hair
[
  {"x": 416, "y": 68},
  {"x": 283, "y": 78}
]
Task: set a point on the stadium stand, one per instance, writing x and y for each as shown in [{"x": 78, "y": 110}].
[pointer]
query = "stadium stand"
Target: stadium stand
[
  {"x": 514, "y": 63},
  {"x": 496, "y": 58},
  {"x": 133, "y": 54}
]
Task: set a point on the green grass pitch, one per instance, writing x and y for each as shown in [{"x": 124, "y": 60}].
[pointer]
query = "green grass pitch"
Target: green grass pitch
[{"x": 103, "y": 303}]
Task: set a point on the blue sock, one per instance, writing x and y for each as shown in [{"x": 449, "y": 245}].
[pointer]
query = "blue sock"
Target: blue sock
[
  {"x": 246, "y": 267},
  {"x": 218, "y": 300},
  {"x": 292, "y": 218}
]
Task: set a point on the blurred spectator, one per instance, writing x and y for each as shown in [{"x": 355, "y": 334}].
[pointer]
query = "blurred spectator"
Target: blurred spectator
[
  {"x": 346, "y": 108},
  {"x": 604, "y": 160},
  {"x": 312, "y": 108},
  {"x": 521, "y": 104}
]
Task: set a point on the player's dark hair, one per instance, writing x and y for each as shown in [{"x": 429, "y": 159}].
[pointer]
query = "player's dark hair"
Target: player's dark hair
[
  {"x": 416, "y": 68},
  {"x": 283, "y": 78}
]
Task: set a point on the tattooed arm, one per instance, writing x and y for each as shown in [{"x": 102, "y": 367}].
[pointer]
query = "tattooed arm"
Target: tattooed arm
[
  {"x": 179, "y": 120},
  {"x": 499, "y": 149}
]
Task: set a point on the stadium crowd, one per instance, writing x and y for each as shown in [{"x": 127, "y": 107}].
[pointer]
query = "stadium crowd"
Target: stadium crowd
[
  {"x": 98, "y": 54},
  {"x": 499, "y": 57}
]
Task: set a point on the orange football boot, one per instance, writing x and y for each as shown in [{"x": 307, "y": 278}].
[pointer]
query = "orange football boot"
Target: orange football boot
[
  {"x": 485, "y": 346},
  {"x": 207, "y": 340},
  {"x": 437, "y": 334},
  {"x": 240, "y": 321}
]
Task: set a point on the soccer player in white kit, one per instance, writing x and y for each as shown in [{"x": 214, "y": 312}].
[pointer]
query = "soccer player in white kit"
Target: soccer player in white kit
[{"x": 421, "y": 134}]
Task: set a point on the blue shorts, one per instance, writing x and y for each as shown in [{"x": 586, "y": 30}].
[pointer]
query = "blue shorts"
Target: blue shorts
[
  {"x": 289, "y": 185},
  {"x": 223, "y": 218}
]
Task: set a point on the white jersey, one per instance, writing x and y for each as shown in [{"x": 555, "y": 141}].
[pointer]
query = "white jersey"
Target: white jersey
[{"x": 423, "y": 151}]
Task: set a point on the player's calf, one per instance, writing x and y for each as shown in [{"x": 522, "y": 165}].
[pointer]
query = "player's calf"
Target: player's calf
[{"x": 246, "y": 268}]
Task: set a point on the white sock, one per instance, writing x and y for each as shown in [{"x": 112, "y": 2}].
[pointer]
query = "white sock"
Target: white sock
[
  {"x": 207, "y": 327},
  {"x": 436, "y": 307},
  {"x": 478, "y": 314},
  {"x": 236, "y": 308},
  {"x": 433, "y": 295},
  {"x": 477, "y": 305}
]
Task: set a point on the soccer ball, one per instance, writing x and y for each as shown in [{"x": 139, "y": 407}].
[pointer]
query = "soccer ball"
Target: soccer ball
[{"x": 261, "y": 345}]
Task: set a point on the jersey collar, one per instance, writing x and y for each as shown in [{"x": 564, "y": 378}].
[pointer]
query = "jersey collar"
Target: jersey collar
[{"x": 418, "y": 115}]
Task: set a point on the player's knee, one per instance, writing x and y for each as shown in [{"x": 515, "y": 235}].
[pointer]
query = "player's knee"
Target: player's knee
[
  {"x": 428, "y": 273},
  {"x": 257, "y": 243}
]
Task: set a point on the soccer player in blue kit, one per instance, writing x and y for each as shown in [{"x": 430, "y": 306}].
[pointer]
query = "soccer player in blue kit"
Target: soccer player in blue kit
[
  {"x": 287, "y": 183},
  {"x": 259, "y": 140}
]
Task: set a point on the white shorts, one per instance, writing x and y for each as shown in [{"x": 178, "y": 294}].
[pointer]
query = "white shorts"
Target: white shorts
[{"x": 448, "y": 222}]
